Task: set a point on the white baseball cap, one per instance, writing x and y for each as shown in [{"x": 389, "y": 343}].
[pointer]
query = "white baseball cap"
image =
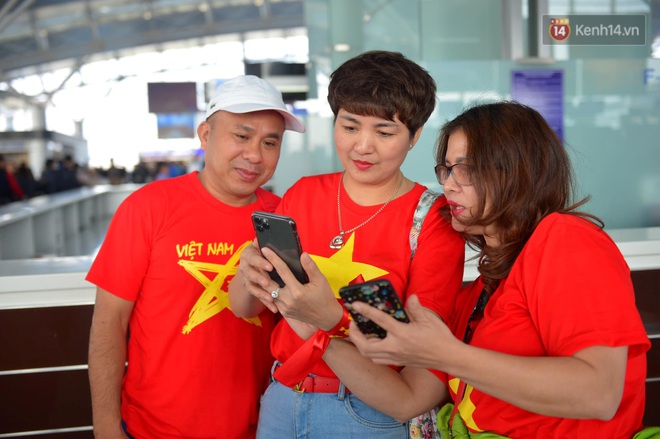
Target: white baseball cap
[{"x": 248, "y": 93}]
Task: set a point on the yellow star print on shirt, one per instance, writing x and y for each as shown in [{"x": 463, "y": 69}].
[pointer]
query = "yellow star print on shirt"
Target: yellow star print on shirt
[
  {"x": 466, "y": 407},
  {"x": 213, "y": 299},
  {"x": 340, "y": 268}
]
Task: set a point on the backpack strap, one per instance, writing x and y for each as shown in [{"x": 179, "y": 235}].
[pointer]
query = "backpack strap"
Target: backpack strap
[
  {"x": 426, "y": 200},
  {"x": 426, "y": 423}
]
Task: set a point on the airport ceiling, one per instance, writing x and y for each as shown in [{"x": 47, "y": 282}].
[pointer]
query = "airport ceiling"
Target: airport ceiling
[{"x": 39, "y": 35}]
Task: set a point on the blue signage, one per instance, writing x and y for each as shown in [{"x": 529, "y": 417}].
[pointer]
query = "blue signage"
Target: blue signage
[{"x": 542, "y": 90}]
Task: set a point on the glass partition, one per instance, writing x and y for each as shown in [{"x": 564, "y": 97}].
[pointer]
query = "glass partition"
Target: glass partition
[{"x": 610, "y": 100}]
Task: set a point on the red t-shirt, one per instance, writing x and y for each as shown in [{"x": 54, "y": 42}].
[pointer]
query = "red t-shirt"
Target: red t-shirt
[
  {"x": 568, "y": 290},
  {"x": 379, "y": 249},
  {"x": 194, "y": 369}
]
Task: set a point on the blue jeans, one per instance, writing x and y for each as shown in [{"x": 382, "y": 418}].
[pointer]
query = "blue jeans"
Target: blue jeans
[{"x": 286, "y": 414}]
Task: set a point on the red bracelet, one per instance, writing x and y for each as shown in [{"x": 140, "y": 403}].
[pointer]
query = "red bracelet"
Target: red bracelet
[
  {"x": 296, "y": 368},
  {"x": 340, "y": 330}
]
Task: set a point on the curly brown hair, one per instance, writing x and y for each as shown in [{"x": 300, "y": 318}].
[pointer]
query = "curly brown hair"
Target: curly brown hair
[
  {"x": 519, "y": 164},
  {"x": 383, "y": 84}
]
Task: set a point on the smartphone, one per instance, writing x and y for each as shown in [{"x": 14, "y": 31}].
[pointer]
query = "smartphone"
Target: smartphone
[
  {"x": 379, "y": 294},
  {"x": 279, "y": 233}
]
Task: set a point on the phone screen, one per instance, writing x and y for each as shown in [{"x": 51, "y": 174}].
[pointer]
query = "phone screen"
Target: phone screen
[
  {"x": 379, "y": 294},
  {"x": 279, "y": 233}
]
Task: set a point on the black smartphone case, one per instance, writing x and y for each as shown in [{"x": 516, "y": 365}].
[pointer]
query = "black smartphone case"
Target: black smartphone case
[
  {"x": 279, "y": 233},
  {"x": 379, "y": 294}
]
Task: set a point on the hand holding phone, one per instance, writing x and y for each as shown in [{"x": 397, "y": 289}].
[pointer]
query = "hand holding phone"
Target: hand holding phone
[
  {"x": 279, "y": 233},
  {"x": 379, "y": 294}
]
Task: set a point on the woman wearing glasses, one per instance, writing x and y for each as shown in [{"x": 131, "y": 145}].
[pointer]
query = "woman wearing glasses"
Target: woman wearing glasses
[{"x": 547, "y": 342}]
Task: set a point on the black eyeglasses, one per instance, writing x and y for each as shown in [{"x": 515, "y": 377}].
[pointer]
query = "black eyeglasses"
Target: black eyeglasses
[
  {"x": 460, "y": 172},
  {"x": 477, "y": 314}
]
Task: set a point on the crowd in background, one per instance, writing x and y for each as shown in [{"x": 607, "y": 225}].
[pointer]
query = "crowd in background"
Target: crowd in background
[{"x": 17, "y": 181}]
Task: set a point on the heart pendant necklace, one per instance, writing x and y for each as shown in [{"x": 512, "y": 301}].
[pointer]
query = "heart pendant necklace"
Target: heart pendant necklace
[{"x": 338, "y": 241}]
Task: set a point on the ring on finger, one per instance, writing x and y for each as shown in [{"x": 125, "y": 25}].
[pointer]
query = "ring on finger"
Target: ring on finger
[{"x": 276, "y": 293}]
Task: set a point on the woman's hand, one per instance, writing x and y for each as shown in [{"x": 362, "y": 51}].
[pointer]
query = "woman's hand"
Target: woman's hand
[
  {"x": 302, "y": 329},
  {"x": 254, "y": 278},
  {"x": 423, "y": 342},
  {"x": 313, "y": 303}
]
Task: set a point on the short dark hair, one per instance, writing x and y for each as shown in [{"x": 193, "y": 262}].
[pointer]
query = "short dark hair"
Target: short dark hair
[{"x": 384, "y": 84}]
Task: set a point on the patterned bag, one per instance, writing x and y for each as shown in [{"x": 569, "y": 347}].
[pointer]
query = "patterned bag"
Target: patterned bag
[{"x": 425, "y": 425}]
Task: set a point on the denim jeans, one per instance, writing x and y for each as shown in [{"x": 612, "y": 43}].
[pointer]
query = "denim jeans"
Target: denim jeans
[{"x": 286, "y": 414}]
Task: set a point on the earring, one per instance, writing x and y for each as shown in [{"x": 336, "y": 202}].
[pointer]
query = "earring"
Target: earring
[{"x": 411, "y": 146}]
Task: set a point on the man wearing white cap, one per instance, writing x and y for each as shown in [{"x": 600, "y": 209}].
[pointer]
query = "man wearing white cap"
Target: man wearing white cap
[{"x": 193, "y": 370}]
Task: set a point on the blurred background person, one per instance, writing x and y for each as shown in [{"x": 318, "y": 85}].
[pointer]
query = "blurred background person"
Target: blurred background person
[
  {"x": 10, "y": 190},
  {"x": 26, "y": 180}
]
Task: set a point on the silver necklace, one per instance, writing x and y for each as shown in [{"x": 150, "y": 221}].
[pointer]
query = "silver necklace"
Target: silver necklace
[{"x": 338, "y": 241}]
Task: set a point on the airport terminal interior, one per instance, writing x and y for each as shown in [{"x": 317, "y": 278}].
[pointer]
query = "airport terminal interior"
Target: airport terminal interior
[{"x": 112, "y": 91}]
